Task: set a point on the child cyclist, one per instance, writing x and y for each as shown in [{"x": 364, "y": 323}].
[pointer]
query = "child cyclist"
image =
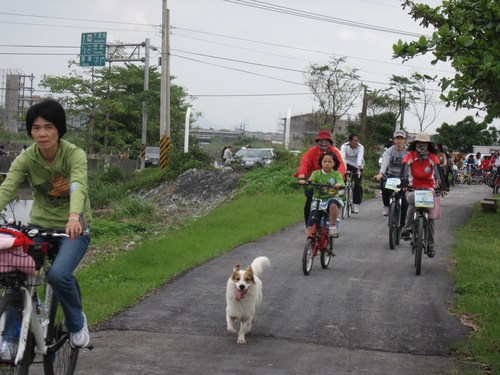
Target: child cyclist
[{"x": 327, "y": 175}]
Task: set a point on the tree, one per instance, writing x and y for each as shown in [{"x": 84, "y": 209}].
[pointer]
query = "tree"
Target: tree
[
  {"x": 466, "y": 133},
  {"x": 404, "y": 95},
  {"x": 424, "y": 106},
  {"x": 336, "y": 87},
  {"x": 380, "y": 101},
  {"x": 106, "y": 104},
  {"x": 468, "y": 37}
]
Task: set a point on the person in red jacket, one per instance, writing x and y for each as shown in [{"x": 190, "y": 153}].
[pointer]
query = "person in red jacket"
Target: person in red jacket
[
  {"x": 310, "y": 163},
  {"x": 421, "y": 164}
]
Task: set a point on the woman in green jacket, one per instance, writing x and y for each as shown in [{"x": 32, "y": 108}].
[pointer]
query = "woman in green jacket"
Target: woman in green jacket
[{"x": 57, "y": 174}]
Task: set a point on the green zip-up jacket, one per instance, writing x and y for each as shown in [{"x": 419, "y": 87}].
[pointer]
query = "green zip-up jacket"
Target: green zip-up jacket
[{"x": 58, "y": 189}]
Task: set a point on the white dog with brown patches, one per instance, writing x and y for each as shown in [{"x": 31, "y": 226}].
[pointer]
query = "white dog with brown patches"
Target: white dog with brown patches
[{"x": 244, "y": 296}]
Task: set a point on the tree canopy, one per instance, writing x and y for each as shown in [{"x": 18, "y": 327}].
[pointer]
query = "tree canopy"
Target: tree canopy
[
  {"x": 336, "y": 87},
  {"x": 105, "y": 105},
  {"x": 468, "y": 36},
  {"x": 466, "y": 133}
]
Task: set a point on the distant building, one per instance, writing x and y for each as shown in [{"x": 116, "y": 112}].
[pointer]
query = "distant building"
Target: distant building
[
  {"x": 304, "y": 127},
  {"x": 17, "y": 99}
]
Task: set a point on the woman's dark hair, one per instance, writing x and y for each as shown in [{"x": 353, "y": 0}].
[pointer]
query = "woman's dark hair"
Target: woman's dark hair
[
  {"x": 433, "y": 149},
  {"x": 49, "y": 110},
  {"x": 352, "y": 135},
  {"x": 336, "y": 162}
]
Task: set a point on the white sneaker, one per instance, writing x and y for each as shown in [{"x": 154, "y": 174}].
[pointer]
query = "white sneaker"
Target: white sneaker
[
  {"x": 81, "y": 338},
  {"x": 386, "y": 210},
  {"x": 8, "y": 349},
  {"x": 355, "y": 209},
  {"x": 333, "y": 232}
]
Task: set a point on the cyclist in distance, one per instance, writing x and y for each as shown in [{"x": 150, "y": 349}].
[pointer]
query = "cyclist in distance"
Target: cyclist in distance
[
  {"x": 309, "y": 163},
  {"x": 327, "y": 175},
  {"x": 353, "y": 153},
  {"x": 391, "y": 167},
  {"x": 421, "y": 162},
  {"x": 57, "y": 174}
]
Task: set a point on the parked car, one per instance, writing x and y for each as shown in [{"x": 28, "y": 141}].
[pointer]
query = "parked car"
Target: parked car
[
  {"x": 152, "y": 155},
  {"x": 255, "y": 157}
]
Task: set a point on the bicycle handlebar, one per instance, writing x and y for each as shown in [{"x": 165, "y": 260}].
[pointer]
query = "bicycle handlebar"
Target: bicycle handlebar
[
  {"x": 47, "y": 232},
  {"x": 34, "y": 232},
  {"x": 308, "y": 183}
]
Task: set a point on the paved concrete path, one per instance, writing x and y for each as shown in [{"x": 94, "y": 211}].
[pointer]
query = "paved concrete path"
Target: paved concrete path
[{"x": 368, "y": 313}]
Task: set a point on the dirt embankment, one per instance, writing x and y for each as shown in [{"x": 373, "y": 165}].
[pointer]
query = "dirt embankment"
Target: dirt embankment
[{"x": 192, "y": 195}]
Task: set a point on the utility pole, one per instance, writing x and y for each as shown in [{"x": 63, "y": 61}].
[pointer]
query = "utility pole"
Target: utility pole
[
  {"x": 145, "y": 104},
  {"x": 287, "y": 128},
  {"x": 364, "y": 109},
  {"x": 402, "y": 119},
  {"x": 165, "y": 88}
]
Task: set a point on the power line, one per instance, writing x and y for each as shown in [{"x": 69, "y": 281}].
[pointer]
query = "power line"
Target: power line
[
  {"x": 34, "y": 46},
  {"x": 239, "y": 47},
  {"x": 239, "y": 70},
  {"x": 37, "y": 54},
  {"x": 76, "y": 19},
  {"x": 253, "y": 95},
  {"x": 298, "y": 48},
  {"x": 65, "y": 26},
  {"x": 240, "y": 61},
  {"x": 318, "y": 17}
]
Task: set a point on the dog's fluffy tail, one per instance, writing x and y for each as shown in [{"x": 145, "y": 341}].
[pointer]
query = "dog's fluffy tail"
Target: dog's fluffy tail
[{"x": 259, "y": 264}]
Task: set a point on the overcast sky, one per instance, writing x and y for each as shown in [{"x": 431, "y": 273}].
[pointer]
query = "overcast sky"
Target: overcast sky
[{"x": 244, "y": 64}]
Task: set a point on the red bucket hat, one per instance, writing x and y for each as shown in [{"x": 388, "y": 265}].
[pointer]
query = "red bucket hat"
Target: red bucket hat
[{"x": 324, "y": 134}]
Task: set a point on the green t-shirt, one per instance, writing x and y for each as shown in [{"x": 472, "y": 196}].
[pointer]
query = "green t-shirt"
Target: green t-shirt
[
  {"x": 58, "y": 189},
  {"x": 332, "y": 178}
]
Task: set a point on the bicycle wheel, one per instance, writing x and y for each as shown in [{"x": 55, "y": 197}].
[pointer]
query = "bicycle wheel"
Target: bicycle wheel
[
  {"x": 327, "y": 254},
  {"x": 393, "y": 225},
  {"x": 61, "y": 358},
  {"x": 307, "y": 258},
  {"x": 12, "y": 304},
  {"x": 420, "y": 246}
]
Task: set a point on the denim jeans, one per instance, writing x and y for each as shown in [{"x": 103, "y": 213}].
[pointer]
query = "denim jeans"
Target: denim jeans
[{"x": 61, "y": 278}]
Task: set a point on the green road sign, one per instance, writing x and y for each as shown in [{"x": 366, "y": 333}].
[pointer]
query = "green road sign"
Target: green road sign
[{"x": 93, "y": 49}]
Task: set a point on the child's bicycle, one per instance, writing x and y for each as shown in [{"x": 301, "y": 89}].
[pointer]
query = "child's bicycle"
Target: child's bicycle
[
  {"x": 319, "y": 243},
  {"x": 29, "y": 310}
]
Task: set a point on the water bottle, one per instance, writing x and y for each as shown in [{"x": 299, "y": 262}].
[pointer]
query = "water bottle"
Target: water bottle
[{"x": 42, "y": 313}]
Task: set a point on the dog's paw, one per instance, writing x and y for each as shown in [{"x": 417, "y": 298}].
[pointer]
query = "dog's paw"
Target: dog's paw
[
  {"x": 241, "y": 340},
  {"x": 232, "y": 329}
]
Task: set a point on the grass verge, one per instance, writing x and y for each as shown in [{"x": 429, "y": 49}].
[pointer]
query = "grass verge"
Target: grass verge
[
  {"x": 477, "y": 283},
  {"x": 117, "y": 283}
]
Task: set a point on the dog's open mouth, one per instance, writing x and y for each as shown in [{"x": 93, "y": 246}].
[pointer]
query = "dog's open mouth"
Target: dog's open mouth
[{"x": 240, "y": 294}]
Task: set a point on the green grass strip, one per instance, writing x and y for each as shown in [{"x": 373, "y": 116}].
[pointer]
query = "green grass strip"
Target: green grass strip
[
  {"x": 477, "y": 284},
  {"x": 117, "y": 283}
]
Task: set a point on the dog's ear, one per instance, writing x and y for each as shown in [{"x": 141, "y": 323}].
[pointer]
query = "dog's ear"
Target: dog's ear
[
  {"x": 249, "y": 276},
  {"x": 236, "y": 272}
]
